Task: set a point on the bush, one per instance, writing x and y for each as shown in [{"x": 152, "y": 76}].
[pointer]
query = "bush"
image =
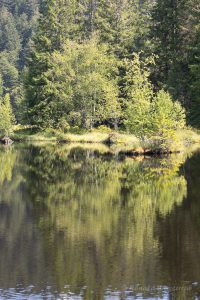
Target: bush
[
  {"x": 147, "y": 114},
  {"x": 103, "y": 129},
  {"x": 166, "y": 116},
  {"x": 6, "y": 115},
  {"x": 74, "y": 118},
  {"x": 63, "y": 125},
  {"x": 139, "y": 92}
]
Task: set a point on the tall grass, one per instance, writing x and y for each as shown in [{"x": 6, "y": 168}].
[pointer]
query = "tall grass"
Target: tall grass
[{"x": 116, "y": 140}]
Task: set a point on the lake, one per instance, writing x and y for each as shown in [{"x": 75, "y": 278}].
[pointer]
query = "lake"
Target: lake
[{"x": 84, "y": 223}]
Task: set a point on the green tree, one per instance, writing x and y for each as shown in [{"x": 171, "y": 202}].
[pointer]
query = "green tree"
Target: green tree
[
  {"x": 6, "y": 115},
  {"x": 167, "y": 116},
  {"x": 138, "y": 94},
  {"x": 52, "y": 31},
  {"x": 194, "y": 116},
  {"x": 85, "y": 90},
  {"x": 167, "y": 38},
  {"x": 174, "y": 27},
  {"x": 149, "y": 114},
  {"x": 115, "y": 22},
  {"x": 9, "y": 37},
  {"x": 122, "y": 24},
  {"x": 1, "y": 86},
  {"x": 17, "y": 24}
]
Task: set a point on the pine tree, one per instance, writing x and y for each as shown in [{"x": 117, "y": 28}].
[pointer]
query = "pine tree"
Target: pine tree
[
  {"x": 194, "y": 116},
  {"x": 122, "y": 24},
  {"x": 9, "y": 37},
  {"x": 86, "y": 15},
  {"x": 173, "y": 32},
  {"x": 166, "y": 37},
  {"x": 115, "y": 22},
  {"x": 52, "y": 31}
]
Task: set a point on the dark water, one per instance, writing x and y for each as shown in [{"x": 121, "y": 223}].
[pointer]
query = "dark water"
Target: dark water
[{"x": 82, "y": 224}]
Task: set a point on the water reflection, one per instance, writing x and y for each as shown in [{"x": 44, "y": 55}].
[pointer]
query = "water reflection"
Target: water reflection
[{"x": 80, "y": 221}]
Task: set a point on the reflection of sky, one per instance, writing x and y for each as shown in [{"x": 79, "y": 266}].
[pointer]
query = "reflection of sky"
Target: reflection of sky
[
  {"x": 150, "y": 293},
  {"x": 28, "y": 293}
]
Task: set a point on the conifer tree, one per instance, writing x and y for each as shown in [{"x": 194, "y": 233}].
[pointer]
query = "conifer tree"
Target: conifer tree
[
  {"x": 52, "y": 31},
  {"x": 174, "y": 25},
  {"x": 194, "y": 116},
  {"x": 166, "y": 37},
  {"x": 116, "y": 23}
]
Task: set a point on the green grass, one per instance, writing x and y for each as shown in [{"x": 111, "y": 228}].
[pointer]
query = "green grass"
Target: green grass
[
  {"x": 29, "y": 135},
  {"x": 95, "y": 136},
  {"x": 118, "y": 141}
]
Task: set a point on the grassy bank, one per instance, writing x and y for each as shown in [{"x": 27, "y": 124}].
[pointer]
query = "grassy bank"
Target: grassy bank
[{"x": 119, "y": 141}]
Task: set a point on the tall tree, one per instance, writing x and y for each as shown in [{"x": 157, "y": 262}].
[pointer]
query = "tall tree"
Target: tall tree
[
  {"x": 194, "y": 116},
  {"x": 173, "y": 33},
  {"x": 6, "y": 115},
  {"x": 83, "y": 84},
  {"x": 149, "y": 114},
  {"x": 123, "y": 24},
  {"x": 166, "y": 37},
  {"x": 17, "y": 23},
  {"x": 53, "y": 29}
]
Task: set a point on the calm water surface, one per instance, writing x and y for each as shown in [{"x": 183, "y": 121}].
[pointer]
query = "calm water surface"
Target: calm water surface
[{"x": 81, "y": 224}]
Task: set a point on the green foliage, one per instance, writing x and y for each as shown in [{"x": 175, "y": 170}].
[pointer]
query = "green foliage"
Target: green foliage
[
  {"x": 115, "y": 22},
  {"x": 1, "y": 86},
  {"x": 103, "y": 129},
  {"x": 40, "y": 88},
  {"x": 148, "y": 114},
  {"x": 17, "y": 23},
  {"x": 195, "y": 81},
  {"x": 122, "y": 24},
  {"x": 173, "y": 31},
  {"x": 167, "y": 116},
  {"x": 63, "y": 125},
  {"x": 7, "y": 162},
  {"x": 93, "y": 86},
  {"x": 139, "y": 93},
  {"x": 6, "y": 115},
  {"x": 80, "y": 85}
]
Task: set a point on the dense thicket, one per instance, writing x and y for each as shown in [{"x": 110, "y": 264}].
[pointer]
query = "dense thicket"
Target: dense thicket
[{"x": 81, "y": 67}]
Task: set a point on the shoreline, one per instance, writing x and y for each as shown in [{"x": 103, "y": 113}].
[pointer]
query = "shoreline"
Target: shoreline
[{"x": 119, "y": 142}]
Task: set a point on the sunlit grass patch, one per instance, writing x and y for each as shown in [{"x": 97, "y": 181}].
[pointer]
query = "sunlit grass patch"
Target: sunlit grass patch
[{"x": 117, "y": 141}]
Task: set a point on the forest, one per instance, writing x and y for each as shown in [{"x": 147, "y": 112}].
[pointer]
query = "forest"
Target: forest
[
  {"x": 99, "y": 194},
  {"x": 130, "y": 66}
]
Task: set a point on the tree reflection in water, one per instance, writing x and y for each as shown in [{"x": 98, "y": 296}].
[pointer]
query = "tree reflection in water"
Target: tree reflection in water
[{"x": 82, "y": 218}]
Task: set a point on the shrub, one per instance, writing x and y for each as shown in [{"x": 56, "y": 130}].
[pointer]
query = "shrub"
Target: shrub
[
  {"x": 63, "y": 125},
  {"x": 166, "y": 116},
  {"x": 147, "y": 114},
  {"x": 103, "y": 129},
  {"x": 6, "y": 115}
]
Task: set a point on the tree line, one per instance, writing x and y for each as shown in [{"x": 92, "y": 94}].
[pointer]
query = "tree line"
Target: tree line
[{"x": 84, "y": 63}]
